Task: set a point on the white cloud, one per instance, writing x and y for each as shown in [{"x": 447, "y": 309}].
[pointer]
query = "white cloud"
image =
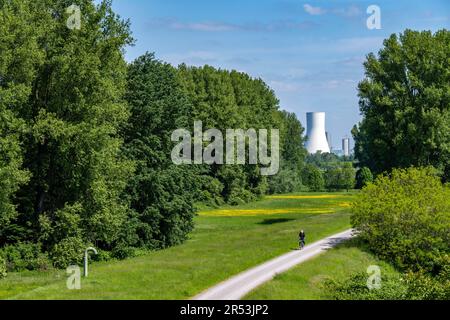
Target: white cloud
[
  {"x": 203, "y": 26},
  {"x": 314, "y": 11},
  {"x": 352, "y": 11},
  {"x": 217, "y": 26},
  {"x": 197, "y": 58}
]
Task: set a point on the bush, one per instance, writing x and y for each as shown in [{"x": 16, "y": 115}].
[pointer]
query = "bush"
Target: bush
[
  {"x": 286, "y": 181},
  {"x": 363, "y": 177},
  {"x": 102, "y": 255},
  {"x": 25, "y": 256},
  {"x": 355, "y": 288},
  {"x": 405, "y": 219},
  {"x": 67, "y": 252},
  {"x": 411, "y": 286},
  {"x": 341, "y": 177},
  {"x": 312, "y": 177},
  {"x": 3, "y": 272},
  {"x": 423, "y": 287},
  {"x": 122, "y": 252}
]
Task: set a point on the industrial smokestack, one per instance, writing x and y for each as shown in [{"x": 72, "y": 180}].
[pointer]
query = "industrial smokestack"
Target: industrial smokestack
[
  {"x": 317, "y": 140},
  {"x": 346, "y": 146}
]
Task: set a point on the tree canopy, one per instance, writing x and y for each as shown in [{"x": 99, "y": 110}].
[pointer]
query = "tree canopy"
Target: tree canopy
[{"x": 405, "y": 104}]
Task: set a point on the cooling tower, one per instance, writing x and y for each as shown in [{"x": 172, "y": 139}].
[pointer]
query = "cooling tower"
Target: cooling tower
[{"x": 315, "y": 131}]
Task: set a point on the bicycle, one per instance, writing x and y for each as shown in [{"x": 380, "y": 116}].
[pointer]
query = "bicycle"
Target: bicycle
[{"x": 301, "y": 244}]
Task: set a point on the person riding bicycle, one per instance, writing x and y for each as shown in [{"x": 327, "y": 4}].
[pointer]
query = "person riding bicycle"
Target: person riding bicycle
[{"x": 301, "y": 239}]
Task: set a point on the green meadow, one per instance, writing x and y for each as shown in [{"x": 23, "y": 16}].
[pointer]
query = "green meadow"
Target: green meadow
[
  {"x": 226, "y": 241},
  {"x": 307, "y": 281}
]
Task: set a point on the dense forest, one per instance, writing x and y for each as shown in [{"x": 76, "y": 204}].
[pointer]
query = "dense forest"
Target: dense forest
[{"x": 86, "y": 138}]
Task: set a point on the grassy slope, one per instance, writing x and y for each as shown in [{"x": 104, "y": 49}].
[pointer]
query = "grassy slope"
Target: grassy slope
[
  {"x": 306, "y": 281},
  {"x": 220, "y": 247}
]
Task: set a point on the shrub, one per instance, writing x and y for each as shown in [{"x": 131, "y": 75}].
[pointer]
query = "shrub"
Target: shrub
[
  {"x": 312, "y": 177},
  {"x": 3, "y": 271},
  {"x": 405, "y": 219},
  {"x": 363, "y": 177},
  {"x": 355, "y": 288},
  {"x": 286, "y": 181},
  {"x": 25, "y": 256},
  {"x": 423, "y": 287},
  {"x": 122, "y": 252},
  {"x": 411, "y": 286},
  {"x": 341, "y": 177},
  {"x": 67, "y": 252}
]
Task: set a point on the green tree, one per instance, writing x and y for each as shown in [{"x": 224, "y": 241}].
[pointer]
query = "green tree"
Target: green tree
[
  {"x": 340, "y": 177},
  {"x": 160, "y": 193},
  {"x": 66, "y": 86},
  {"x": 347, "y": 177},
  {"x": 312, "y": 177},
  {"x": 405, "y": 219},
  {"x": 16, "y": 79},
  {"x": 292, "y": 156},
  {"x": 363, "y": 177},
  {"x": 405, "y": 104},
  {"x": 223, "y": 100}
]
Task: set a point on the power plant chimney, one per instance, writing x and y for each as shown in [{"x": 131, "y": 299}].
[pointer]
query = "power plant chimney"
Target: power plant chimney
[
  {"x": 315, "y": 131},
  {"x": 346, "y": 146}
]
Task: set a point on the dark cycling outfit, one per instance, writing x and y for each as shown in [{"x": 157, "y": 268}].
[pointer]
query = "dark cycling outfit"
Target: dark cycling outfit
[{"x": 301, "y": 237}]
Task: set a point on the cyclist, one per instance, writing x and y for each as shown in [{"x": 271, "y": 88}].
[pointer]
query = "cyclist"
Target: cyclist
[{"x": 301, "y": 239}]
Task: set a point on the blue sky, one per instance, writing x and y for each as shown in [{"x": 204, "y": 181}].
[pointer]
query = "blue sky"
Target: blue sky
[{"x": 309, "y": 52}]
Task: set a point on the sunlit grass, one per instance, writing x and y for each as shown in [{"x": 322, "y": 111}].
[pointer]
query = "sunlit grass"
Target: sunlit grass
[
  {"x": 308, "y": 280},
  {"x": 258, "y": 212},
  {"x": 219, "y": 247},
  {"x": 322, "y": 196}
]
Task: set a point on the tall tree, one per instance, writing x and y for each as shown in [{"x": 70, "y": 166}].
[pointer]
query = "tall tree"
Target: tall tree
[
  {"x": 70, "y": 84},
  {"x": 160, "y": 193},
  {"x": 405, "y": 103}
]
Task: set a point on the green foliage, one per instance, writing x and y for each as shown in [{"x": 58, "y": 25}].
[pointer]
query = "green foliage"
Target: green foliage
[
  {"x": 292, "y": 159},
  {"x": 61, "y": 96},
  {"x": 123, "y": 251},
  {"x": 326, "y": 160},
  {"x": 232, "y": 100},
  {"x": 3, "y": 271},
  {"x": 293, "y": 153},
  {"x": 24, "y": 256},
  {"x": 355, "y": 288},
  {"x": 342, "y": 177},
  {"x": 363, "y": 177},
  {"x": 405, "y": 219},
  {"x": 85, "y": 139},
  {"x": 286, "y": 181},
  {"x": 68, "y": 252},
  {"x": 312, "y": 177},
  {"x": 160, "y": 194},
  {"x": 411, "y": 286},
  {"x": 405, "y": 104}
]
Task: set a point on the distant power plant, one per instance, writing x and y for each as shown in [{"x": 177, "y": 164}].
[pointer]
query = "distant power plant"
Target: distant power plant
[
  {"x": 330, "y": 143},
  {"x": 346, "y": 146},
  {"x": 315, "y": 132}
]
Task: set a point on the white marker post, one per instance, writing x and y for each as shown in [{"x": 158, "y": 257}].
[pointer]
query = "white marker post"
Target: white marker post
[{"x": 86, "y": 257}]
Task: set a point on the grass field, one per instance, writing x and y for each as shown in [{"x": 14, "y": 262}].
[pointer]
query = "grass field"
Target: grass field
[
  {"x": 307, "y": 280},
  {"x": 226, "y": 241}
]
